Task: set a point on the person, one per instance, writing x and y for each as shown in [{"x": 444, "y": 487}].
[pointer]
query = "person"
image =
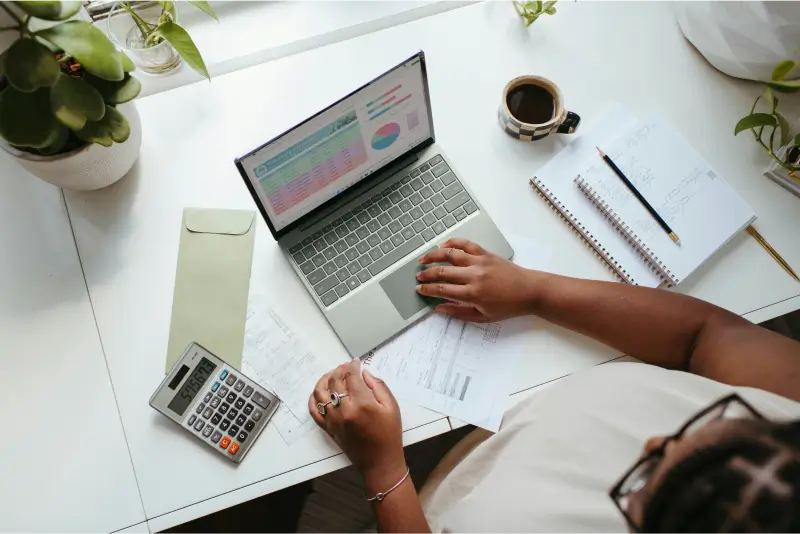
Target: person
[{"x": 704, "y": 438}]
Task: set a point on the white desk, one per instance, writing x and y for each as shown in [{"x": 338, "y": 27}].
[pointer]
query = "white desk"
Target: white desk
[
  {"x": 65, "y": 464},
  {"x": 127, "y": 235}
]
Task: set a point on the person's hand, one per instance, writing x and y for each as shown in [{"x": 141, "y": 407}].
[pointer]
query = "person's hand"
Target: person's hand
[
  {"x": 481, "y": 286},
  {"x": 366, "y": 425}
]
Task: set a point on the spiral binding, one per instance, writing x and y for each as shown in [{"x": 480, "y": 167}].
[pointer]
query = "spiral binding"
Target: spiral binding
[
  {"x": 580, "y": 230},
  {"x": 655, "y": 264}
]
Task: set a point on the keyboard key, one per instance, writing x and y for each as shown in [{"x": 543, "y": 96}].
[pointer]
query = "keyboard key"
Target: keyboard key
[
  {"x": 405, "y": 219},
  {"x": 208, "y": 413},
  {"x": 440, "y": 212},
  {"x": 318, "y": 260},
  {"x": 385, "y": 204},
  {"x": 200, "y": 407},
  {"x": 240, "y": 401},
  {"x": 426, "y": 206},
  {"x": 449, "y": 221},
  {"x": 404, "y": 206},
  {"x": 438, "y": 227},
  {"x": 416, "y": 184},
  {"x": 408, "y": 233},
  {"x": 362, "y": 247},
  {"x": 329, "y": 253},
  {"x": 386, "y": 246},
  {"x": 470, "y": 207},
  {"x": 373, "y": 225},
  {"x": 405, "y": 179},
  {"x": 295, "y": 248},
  {"x": 375, "y": 253},
  {"x": 216, "y": 437},
  {"x": 250, "y": 425},
  {"x": 330, "y": 238},
  {"x": 435, "y": 159},
  {"x": 233, "y": 430},
  {"x": 215, "y": 402},
  {"x": 225, "y": 442},
  {"x": 416, "y": 213},
  {"x": 307, "y": 267},
  {"x": 231, "y": 397},
  {"x": 354, "y": 268},
  {"x": 364, "y": 275},
  {"x": 406, "y": 191},
  {"x": 357, "y": 210},
  {"x": 347, "y": 216},
  {"x": 222, "y": 392},
  {"x": 460, "y": 214},
  {"x": 374, "y": 240},
  {"x": 437, "y": 186},
  {"x": 309, "y": 252},
  {"x": 364, "y": 260},
  {"x": 316, "y": 277},
  {"x": 426, "y": 192},
  {"x": 395, "y": 196},
  {"x": 326, "y": 228},
  {"x": 216, "y": 419},
  {"x": 241, "y": 420},
  {"x": 326, "y": 285},
  {"x": 248, "y": 409},
  {"x": 362, "y": 233},
  {"x": 395, "y": 211},
  {"x": 223, "y": 408},
  {"x": 451, "y": 190},
  {"x": 298, "y": 258},
  {"x": 374, "y": 210},
  {"x": 320, "y": 244},
  {"x": 330, "y": 268},
  {"x": 363, "y": 217},
  {"x": 207, "y": 397},
  {"x": 351, "y": 254},
  {"x": 262, "y": 401},
  {"x": 395, "y": 226},
  {"x": 232, "y": 413},
  {"x": 384, "y": 233},
  {"x": 342, "y": 231},
  {"x": 429, "y": 219},
  {"x": 437, "y": 199},
  {"x": 224, "y": 425},
  {"x": 233, "y": 449},
  {"x": 307, "y": 241},
  {"x": 342, "y": 290},
  {"x": 424, "y": 167},
  {"x": 208, "y": 430},
  {"x": 247, "y": 392},
  {"x": 257, "y": 415},
  {"x": 242, "y": 435},
  {"x": 340, "y": 261},
  {"x": 458, "y": 200},
  {"x": 415, "y": 173},
  {"x": 191, "y": 420},
  {"x": 426, "y": 177},
  {"x": 337, "y": 222},
  {"x": 384, "y": 219},
  {"x": 343, "y": 275},
  {"x": 448, "y": 178},
  {"x": 415, "y": 199},
  {"x": 439, "y": 170},
  {"x": 428, "y": 234},
  {"x": 351, "y": 240},
  {"x": 418, "y": 226},
  {"x": 353, "y": 283},
  {"x": 397, "y": 240},
  {"x": 352, "y": 224},
  {"x": 329, "y": 298}
]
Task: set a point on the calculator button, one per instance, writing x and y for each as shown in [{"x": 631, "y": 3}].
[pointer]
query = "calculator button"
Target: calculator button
[
  {"x": 200, "y": 407},
  {"x": 215, "y": 402},
  {"x": 257, "y": 415},
  {"x": 242, "y": 436},
  {"x": 239, "y": 403},
  {"x": 199, "y": 425},
  {"x": 240, "y": 420},
  {"x": 248, "y": 391},
  {"x": 208, "y": 430},
  {"x": 208, "y": 413},
  {"x": 232, "y": 414},
  {"x": 239, "y": 385},
  {"x": 224, "y": 424},
  {"x": 215, "y": 387},
  {"x": 231, "y": 380},
  {"x": 222, "y": 392},
  {"x": 216, "y": 437},
  {"x": 250, "y": 425},
  {"x": 223, "y": 374},
  {"x": 248, "y": 409},
  {"x": 192, "y": 419},
  {"x": 233, "y": 430},
  {"x": 223, "y": 408},
  {"x": 234, "y": 448},
  {"x": 231, "y": 397},
  {"x": 216, "y": 419},
  {"x": 207, "y": 397},
  {"x": 225, "y": 442},
  {"x": 260, "y": 399}
]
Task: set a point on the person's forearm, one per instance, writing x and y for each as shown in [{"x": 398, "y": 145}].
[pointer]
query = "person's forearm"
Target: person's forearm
[
  {"x": 655, "y": 326},
  {"x": 400, "y": 510}
]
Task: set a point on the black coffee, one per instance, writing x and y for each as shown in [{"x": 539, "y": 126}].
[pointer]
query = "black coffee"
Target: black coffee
[{"x": 531, "y": 104}]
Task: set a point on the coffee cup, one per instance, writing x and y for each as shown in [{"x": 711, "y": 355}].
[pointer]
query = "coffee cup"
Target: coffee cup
[{"x": 533, "y": 108}]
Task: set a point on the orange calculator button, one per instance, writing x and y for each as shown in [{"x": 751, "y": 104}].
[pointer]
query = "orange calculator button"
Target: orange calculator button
[
  {"x": 225, "y": 442},
  {"x": 234, "y": 447}
]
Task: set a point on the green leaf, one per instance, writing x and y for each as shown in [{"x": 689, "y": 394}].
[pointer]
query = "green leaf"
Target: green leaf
[
  {"x": 127, "y": 64},
  {"x": 30, "y": 66},
  {"x": 549, "y": 4},
  {"x": 113, "y": 127},
  {"x": 169, "y": 7},
  {"x": 61, "y": 138},
  {"x": 25, "y": 118},
  {"x": 551, "y": 11},
  {"x": 754, "y": 121},
  {"x": 50, "y": 10},
  {"x": 184, "y": 45},
  {"x": 797, "y": 139},
  {"x": 205, "y": 8},
  {"x": 784, "y": 125},
  {"x": 74, "y": 101},
  {"x": 785, "y": 86},
  {"x": 539, "y": 6},
  {"x": 769, "y": 96},
  {"x": 87, "y": 44},
  {"x": 782, "y": 69},
  {"x": 116, "y": 92}
]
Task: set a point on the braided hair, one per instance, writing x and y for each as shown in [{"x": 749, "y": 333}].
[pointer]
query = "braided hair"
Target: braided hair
[{"x": 745, "y": 483}]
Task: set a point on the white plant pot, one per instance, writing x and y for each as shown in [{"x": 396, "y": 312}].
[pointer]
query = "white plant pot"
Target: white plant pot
[
  {"x": 89, "y": 167},
  {"x": 742, "y": 39}
]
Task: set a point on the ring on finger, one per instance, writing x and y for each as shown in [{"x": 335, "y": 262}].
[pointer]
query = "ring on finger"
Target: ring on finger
[
  {"x": 322, "y": 407},
  {"x": 336, "y": 398}
]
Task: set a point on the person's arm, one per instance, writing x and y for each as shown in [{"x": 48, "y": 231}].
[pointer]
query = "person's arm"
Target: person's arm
[
  {"x": 367, "y": 427},
  {"x": 655, "y": 326}
]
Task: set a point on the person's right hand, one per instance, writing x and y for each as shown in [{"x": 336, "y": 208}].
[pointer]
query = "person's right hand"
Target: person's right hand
[{"x": 481, "y": 286}]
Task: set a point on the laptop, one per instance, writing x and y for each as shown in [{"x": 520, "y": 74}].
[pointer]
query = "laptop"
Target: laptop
[{"x": 355, "y": 194}]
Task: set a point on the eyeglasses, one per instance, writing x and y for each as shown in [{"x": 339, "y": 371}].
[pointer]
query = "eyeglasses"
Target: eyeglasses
[{"x": 730, "y": 407}]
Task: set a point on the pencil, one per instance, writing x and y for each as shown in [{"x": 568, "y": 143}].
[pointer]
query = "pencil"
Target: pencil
[
  {"x": 638, "y": 195},
  {"x": 772, "y": 252}
]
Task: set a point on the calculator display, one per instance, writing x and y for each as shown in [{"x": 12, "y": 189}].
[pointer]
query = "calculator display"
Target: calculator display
[{"x": 192, "y": 386}]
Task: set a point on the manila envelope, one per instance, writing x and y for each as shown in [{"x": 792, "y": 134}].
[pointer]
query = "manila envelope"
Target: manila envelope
[{"x": 212, "y": 282}]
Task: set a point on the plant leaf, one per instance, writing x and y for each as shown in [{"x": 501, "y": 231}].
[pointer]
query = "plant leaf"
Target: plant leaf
[
  {"x": 205, "y": 8},
  {"x": 184, "y": 45},
  {"x": 797, "y": 139},
  {"x": 769, "y": 96},
  {"x": 30, "y": 66},
  {"x": 74, "y": 101},
  {"x": 754, "y": 121},
  {"x": 50, "y": 10},
  {"x": 61, "y": 138},
  {"x": 169, "y": 7},
  {"x": 538, "y": 6},
  {"x": 127, "y": 63},
  {"x": 87, "y": 44},
  {"x": 784, "y": 125},
  {"x": 783, "y": 69},
  {"x": 549, "y": 4},
  {"x": 113, "y": 127},
  {"x": 25, "y": 118},
  {"x": 116, "y": 92},
  {"x": 785, "y": 86},
  {"x": 551, "y": 11}
]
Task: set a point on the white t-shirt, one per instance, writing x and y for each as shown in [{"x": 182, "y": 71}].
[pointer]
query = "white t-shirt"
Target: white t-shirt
[{"x": 559, "y": 452}]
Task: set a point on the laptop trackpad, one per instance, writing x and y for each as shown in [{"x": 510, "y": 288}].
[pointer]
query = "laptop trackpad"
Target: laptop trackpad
[{"x": 400, "y": 288}]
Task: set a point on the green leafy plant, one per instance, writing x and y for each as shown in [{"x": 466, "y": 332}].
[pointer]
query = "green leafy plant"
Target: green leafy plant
[
  {"x": 766, "y": 120},
  {"x": 165, "y": 28},
  {"x": 59, "y": 86},
  {"x": 530, "y": 11}
]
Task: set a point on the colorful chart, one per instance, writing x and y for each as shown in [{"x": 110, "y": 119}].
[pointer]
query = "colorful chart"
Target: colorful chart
[{"x": 385, "y": 136}]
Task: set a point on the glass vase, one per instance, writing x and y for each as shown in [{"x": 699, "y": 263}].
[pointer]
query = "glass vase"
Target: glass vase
[{"x": 125, "y": 33}]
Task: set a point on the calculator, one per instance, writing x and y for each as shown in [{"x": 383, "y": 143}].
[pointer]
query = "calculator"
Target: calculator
[{"x": 214, "y": 402}]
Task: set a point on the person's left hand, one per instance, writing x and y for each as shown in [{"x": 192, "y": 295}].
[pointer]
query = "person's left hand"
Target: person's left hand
[{"x": 366, "y": 424}]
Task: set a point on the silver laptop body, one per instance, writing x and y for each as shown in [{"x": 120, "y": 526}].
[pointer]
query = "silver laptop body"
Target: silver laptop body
[{"x": 355, "y": 194}]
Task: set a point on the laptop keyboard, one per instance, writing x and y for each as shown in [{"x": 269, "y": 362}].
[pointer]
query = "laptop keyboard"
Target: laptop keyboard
[{"x": 382, "y": 230}]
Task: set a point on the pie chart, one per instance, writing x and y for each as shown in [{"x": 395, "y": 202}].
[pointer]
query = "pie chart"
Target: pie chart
[{"x": 385, "y": 136}]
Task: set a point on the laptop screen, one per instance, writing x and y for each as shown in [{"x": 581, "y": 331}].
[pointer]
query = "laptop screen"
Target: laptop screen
[{"x": 337, "y": 148}]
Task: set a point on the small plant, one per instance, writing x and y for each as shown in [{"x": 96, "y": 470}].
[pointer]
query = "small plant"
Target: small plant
[
  {"x": 757, "y": 121},
  {"x": 530, "y": 11},
  {"x": 59, "y": 86}
]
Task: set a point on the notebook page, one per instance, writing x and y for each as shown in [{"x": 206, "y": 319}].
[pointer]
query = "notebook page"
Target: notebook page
[
  {"x": 559, "y": 174},
  {"x": 683, "y": 188}
]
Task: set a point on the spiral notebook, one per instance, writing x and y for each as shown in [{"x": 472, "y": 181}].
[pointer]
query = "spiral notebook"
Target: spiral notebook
[{"x": 683, "y": 188}]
